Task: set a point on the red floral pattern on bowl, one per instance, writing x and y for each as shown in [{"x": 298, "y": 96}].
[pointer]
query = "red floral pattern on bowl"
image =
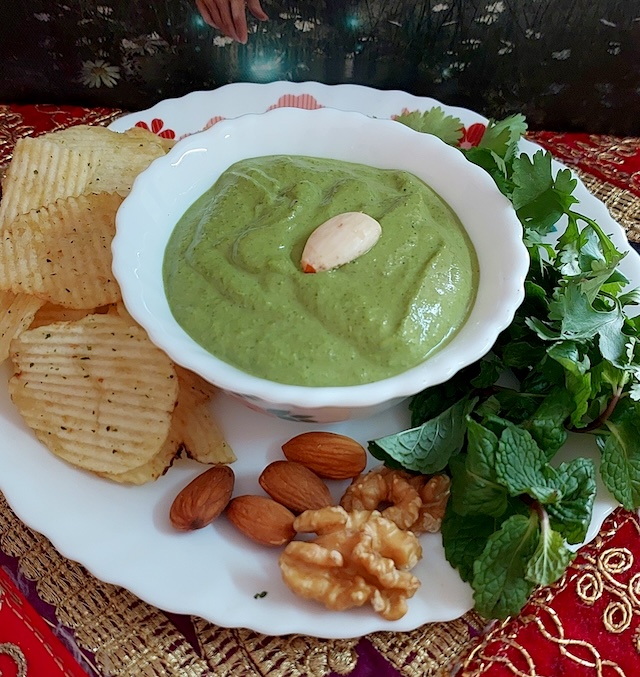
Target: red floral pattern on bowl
[
  {"x": 304, "y": 101},
  {"x": 472, "y": 135},
  {"x": 156, "y": 127}
]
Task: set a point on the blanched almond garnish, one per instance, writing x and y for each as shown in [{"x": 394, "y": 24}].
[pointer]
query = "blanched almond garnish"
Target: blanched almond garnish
[{"x": 339, "y": 240}]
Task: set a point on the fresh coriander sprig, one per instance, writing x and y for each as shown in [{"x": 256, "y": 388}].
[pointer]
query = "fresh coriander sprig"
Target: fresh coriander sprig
[{"x": 572, "y": 364}]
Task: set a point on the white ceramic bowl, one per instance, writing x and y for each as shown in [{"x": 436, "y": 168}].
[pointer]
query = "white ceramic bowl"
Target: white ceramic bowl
[{"x": 163, "y": 192}]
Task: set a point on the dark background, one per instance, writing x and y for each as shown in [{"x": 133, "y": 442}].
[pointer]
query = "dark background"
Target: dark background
[{"x": 568, "y": 65}]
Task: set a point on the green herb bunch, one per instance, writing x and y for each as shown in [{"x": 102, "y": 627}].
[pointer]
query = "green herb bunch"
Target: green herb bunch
[{"x": 568, "y": 364}]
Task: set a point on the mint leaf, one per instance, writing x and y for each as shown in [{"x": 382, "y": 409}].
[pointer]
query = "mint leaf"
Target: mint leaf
[
  {"x": 464, "y": 538},
  {"x": 518, "y": 407},
  {"x": 427, "y": 448},
  {"x": 518, "y": 465},
  {"x": 433, "y": 401},
  {"x": 620, "y": 465},
  {"x": 547, "y": 425},
  {"x": 475, "y": 488},
  {"x": 434, "y": 121},
  {"x": 521, "y": 354},
  {"x": 499, "y": 583},
  {"x": 550, "y": 559},
  {"x": 571, "y": 516},
  {"x": 490, "y": 370}
]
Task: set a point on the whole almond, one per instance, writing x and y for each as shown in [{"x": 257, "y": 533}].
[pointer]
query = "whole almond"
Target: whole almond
[
  {"x": 339, "y": 240},
  {"x": 330, "y": 455},
  {"x": 203, "y": 499},
  {"x": 295, "y": 486},
  {"x": 261, "y": 519}
]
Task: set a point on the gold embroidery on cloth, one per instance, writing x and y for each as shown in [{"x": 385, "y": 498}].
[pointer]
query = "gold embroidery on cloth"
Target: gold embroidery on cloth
[
  {"x": 15, "y": 654},
  {"x": 606, "y": 154},
  {"x": 601, "y": 571},
  {"x": 128, "y": 637},
  {"x": 233, "y": 652},
  {"x": 427, "y": 650},
  {"x": 13, "y": 126},
  {"x": 17, "y": 608},
  {"x": 622, "y": 204}
]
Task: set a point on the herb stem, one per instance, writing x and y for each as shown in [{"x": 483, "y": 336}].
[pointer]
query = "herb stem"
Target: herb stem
[
  {"x": 600, "y": 420},
  {"x": 536, "y": 506}
]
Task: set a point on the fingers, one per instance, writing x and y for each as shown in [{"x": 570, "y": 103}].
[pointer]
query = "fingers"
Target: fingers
[
  {"x": 209, "y": 12},
  {"x": 229, "y": 16},
  {"x": 238, "y": 18},
  {"x": 256, "y": 9}
]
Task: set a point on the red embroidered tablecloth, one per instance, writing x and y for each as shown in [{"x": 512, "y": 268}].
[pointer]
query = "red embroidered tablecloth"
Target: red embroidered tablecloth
[{"x": 56, "y": 619}]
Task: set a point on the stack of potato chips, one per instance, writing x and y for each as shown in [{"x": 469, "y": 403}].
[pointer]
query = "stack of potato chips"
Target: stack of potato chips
[{"x": 86, "y": 378}]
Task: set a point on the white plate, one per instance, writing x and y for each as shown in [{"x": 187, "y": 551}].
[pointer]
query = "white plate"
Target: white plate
[{"x": 122, "y": 535}]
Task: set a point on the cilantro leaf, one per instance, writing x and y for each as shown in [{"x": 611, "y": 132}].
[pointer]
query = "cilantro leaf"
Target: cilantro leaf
[
  {"x": 434, "y": 121},
  {"x": 532, "y": 178},
  {"x": 580, "y": 320},
  {"x": 538, "y": 199},
  {"x": 493, "y": 164},
  {"x": 577, "y": 376},
  {"x": 502, "y": 137},
  {"x": 499, "y": 582}
]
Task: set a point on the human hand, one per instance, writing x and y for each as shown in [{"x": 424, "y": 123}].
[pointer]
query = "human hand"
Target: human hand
[{"x": 229, "y": 16}]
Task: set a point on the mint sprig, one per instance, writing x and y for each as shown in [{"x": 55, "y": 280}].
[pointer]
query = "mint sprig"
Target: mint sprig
[{"x": 573, "y": 351}]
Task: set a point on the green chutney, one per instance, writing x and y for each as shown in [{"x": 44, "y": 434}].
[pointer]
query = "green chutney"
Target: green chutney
[{"x": 233, "y": 280}]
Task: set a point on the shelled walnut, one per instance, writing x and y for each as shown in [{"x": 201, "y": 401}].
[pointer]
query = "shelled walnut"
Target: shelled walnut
[
  {"x": 357, "y": 557},
  {"x": 415, "y": 502}
]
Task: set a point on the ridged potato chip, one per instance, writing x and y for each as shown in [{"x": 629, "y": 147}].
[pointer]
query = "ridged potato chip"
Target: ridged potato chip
[
  {"x": 151, "y": 470},
  {"x": 121, "y": 156},
  {"x": 192, "y": 430},
  {"x": 195, "y": 426},
  {"x": 194, "y": 384},
  {"x": 17, "y": 312},
  {"x": 62, "y": 253},
  {"x": 96, "y": 392},
  {"x": 50, "y": 313},
  {"x": 42, "y": 172},
  {"x": 87, "y": 379}
]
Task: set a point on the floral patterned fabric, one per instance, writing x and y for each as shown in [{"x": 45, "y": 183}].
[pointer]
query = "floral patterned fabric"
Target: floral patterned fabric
[{"x": 566, "y": 64}]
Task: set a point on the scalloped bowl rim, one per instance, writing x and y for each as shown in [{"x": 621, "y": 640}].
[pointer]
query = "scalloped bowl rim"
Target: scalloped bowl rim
[{"x": 162, "y": 193}]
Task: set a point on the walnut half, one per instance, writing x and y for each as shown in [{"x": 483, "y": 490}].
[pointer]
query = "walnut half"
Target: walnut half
[
  {"x": 415, "y": 502},
  {"x": 357, "y": 557}
]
